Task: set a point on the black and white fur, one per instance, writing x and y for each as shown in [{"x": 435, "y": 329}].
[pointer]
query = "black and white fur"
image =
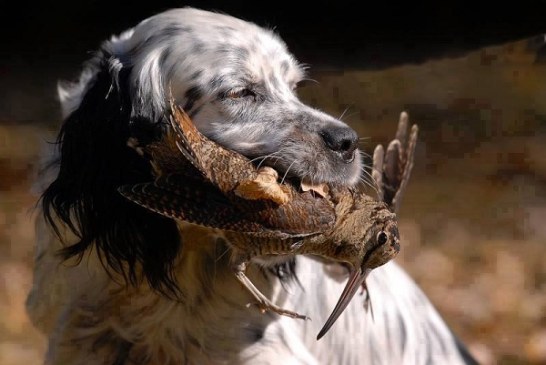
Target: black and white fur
[{"x": 117, "y": 284}]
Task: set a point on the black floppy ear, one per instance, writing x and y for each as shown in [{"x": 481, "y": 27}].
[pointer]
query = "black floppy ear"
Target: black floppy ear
[{"x": 94, "y": 161}]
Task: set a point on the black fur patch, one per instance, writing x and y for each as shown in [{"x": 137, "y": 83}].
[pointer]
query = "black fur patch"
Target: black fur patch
[
  {"x": 286, "y": 272},
  {"x": 94, "y": 162},
  {"x": 192, "y": 96},
  {"x": 195, "y": 76}
]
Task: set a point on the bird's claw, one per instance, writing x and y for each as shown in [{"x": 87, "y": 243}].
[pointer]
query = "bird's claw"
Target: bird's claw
[
  {"x": 262, "y": 302},
  {"x": 267, "y": 306}
]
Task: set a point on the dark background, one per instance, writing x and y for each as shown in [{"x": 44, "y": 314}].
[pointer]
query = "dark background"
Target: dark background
[
  {"x": 341, "y": 33},
  {"x": 45, "y": 41}
]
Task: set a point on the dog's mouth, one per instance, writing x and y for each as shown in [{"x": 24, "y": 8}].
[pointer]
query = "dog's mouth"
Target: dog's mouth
[
  {"x": 310, "y": 157},
  {"x": 313, "y": 168},
  {"x": 297, "y": 154}
]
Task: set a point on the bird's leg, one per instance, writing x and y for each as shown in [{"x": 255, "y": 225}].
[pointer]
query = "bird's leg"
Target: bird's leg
[
  {"x": 263, "y": 303},
  {"x": 392, "y": 169}
]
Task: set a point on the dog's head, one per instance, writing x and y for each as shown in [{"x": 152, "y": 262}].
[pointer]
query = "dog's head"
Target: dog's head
[{"x": 236, "y": 80}]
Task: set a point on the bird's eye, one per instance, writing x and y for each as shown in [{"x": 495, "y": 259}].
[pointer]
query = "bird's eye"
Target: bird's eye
[
  {"x": 382, "y": 238},
  {"x": 239, "y": 93}
]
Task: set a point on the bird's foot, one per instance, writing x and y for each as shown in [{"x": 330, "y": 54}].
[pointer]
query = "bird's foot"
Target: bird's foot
[
  {"x": 262, "y": 302},
  {"x": 264, "y": 305}
]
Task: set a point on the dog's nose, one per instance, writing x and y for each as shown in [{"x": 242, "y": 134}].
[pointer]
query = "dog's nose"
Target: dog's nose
[{"x": 341, "y": 139}]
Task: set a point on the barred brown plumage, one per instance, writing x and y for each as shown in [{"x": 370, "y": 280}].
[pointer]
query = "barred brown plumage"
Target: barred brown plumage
[{"x": 346, "y": 225}]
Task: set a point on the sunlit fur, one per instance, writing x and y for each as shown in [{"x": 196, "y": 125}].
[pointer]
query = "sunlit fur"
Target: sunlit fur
[{"x": 132, "y": 287}]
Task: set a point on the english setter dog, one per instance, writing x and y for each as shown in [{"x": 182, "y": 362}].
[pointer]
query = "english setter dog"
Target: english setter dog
[{"x": 117, "y": 284}]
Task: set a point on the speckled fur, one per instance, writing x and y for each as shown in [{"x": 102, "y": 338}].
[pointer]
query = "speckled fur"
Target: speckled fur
[{"x": 92, "y": 316}]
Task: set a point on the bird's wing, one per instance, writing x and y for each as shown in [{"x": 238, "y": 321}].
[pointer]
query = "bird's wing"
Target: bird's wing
[
  {"x": 198, "y": 202},
  {"x": 178, "y": 120},
  {"x": 305, "y": 213},
  {"x": 223, "y": 167},
  {"x": 166, "y": 159},
  {"x": 392, "y": 169}
]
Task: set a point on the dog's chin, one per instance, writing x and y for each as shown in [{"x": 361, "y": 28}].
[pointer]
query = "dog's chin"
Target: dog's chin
[
  {"x": 332, "y": 171},
  {"x": 336, "y": 172}
]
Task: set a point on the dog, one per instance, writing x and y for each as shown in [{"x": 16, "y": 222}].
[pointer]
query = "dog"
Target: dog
[{"x": 117, "y": 284}]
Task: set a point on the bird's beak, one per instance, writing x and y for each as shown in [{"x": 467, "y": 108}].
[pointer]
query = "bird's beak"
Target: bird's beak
[{"x": 356, "y": 279}]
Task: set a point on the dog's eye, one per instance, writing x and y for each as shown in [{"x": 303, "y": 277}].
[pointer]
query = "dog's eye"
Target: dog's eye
[{"x": 240, "y": 93}]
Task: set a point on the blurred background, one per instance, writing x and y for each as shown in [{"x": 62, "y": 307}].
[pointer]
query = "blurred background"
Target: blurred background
[{"x": 472, "y": 76}]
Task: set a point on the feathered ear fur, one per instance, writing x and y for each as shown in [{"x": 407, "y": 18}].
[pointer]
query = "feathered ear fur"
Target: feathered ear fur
[{"x": 94, "y": 161}]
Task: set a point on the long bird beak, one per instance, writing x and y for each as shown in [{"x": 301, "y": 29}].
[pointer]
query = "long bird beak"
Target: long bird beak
[{"x": 356, "y": 279}]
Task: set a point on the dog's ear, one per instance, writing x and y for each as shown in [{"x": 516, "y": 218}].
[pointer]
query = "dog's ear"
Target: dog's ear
[{"x": 94, "y": 161}]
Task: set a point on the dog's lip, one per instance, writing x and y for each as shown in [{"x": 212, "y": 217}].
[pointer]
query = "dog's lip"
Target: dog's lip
[{"x": 340, "y": 170}]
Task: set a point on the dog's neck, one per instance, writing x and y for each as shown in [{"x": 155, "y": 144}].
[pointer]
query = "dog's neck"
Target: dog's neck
[
  {"x": 214, "y": 316},
  {"x": 211, "y": 323}
]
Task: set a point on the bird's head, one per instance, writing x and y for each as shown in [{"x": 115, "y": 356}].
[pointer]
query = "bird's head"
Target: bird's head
[{"x": 376, "y": 229}]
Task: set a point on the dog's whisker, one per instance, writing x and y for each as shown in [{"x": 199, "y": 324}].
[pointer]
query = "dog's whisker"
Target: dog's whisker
[
  {"x": 371, "y": 185},
  {"x": 278, "y": 157},
  {"x": 365, "y": 167},
  {"x": 350, "y": 115},
  {"x": 264, "y": 157},
  {"x": 261, "y": 157},
  {"x": 342, "y": 114},
  {"x": 365, "y": 154},
  {"x": 367, "y": 178},
  {"x": 288, "y": 169}
]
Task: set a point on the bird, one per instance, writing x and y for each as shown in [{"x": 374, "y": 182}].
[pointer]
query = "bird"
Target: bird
[
  {"x": 260, "y": 216},
  {"x": 155, "y": 290}
]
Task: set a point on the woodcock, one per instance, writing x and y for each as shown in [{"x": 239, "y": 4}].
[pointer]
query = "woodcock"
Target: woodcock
[{"x": 201, "y": 182}]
